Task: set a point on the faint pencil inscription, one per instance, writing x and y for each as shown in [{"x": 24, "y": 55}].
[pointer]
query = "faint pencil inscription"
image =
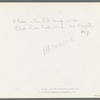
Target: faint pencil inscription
[{"x": 49, "y": 48}]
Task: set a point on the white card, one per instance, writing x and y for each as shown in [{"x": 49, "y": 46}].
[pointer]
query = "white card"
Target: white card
[{"x": 49, "y": 50}]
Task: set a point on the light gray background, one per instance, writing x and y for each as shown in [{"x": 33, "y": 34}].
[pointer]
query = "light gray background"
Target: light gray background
[{"x": 49, "y": 1}]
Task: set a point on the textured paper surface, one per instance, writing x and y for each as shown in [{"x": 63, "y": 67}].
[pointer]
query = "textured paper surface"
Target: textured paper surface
[{"x": 49, "y": 50}]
